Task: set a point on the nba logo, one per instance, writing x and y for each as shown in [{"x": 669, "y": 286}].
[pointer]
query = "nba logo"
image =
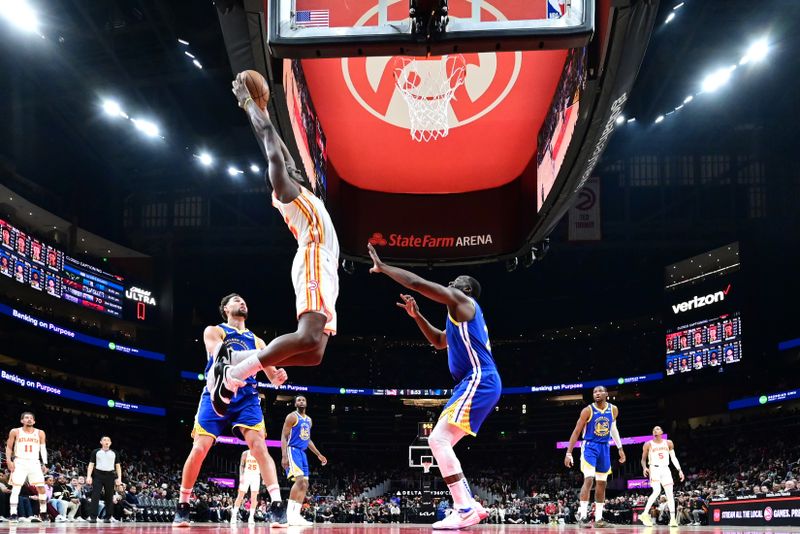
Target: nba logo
[{"x": 555, "y": 9}]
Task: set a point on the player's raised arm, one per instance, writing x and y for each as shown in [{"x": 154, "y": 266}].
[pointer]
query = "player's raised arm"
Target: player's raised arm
[
  {"x": 285, "y": 188},
  {"x": 458, "y": 303},
  {"x": 436, "y": 337},
  {"x": 586, "y": 414}
]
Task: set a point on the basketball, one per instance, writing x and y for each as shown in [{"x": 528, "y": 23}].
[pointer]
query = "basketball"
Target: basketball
[{"x": 257, "y": 87}]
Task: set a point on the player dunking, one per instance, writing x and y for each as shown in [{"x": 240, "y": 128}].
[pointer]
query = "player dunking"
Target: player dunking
[
  {"x": 24, "y": 447},
  {"x": 596, "y": 423},
  {"x": 658, "y": 452},
  {"x": 314, "y": 270},
  {"x": 295, "y": 439},
  {"x": 249, "y": 478},
  {"x": 469, "y": 356},
  {"x": 244, "y": 413}
]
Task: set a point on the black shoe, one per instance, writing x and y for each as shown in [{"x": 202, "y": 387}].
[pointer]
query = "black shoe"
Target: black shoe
[
  {"x": 36, "y": 519},
  {"x": 92, "y": 520},
  {"x": 277, "y": 514},
  {"x": 584, "y": 523},
  {"x": 182, "y": 515},
  {"x": 45, "y": 517},
  {"x": 220, "y": 395}
]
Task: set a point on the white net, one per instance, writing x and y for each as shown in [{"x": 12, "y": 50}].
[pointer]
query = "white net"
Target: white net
[{"x": 428, "y": 86}]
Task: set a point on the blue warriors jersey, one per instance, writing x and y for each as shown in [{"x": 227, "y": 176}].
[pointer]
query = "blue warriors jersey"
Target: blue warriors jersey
[
  {"x": 301, "y": 432},
  {"x": 598, "y": 428},
  {"x": 468, "y": 347},
  {"x": 239, "y": 340}
]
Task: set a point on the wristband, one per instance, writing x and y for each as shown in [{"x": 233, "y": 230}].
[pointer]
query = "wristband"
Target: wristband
[{"x": 246, "y": 100}]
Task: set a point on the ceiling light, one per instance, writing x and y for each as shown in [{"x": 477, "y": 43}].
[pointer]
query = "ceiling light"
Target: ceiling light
[
  {"x": 148, "y": 128},
  {"x": 757, "y": 51},
  {"x": 669, "y": 18},
  {"x": 112, "y": 109},
  {"x": 205, "y": 159},
  {"x": 181, "y": 41},
  {"x": 717, "y": 79},
  {"x": 188, "y": 54},
  {"x": 620, "y": 119},
  {"x": 632, "y": 119},
  {"x": 688, "y": 99},
  {"x": 659, "y": 118},
  {"x": 197, "y": 64},
  {"x": 20, "y": 14},
  {"x": 255, "y": 169},
  {"x": 233, "y": 171}
]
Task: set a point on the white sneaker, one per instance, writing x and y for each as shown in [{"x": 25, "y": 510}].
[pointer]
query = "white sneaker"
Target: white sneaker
[
  {"x": 80, "y": 520},
  {"x": 458, "y": 520},
  {"x": 115, "y": 520},
  {"x": 482, "y": 513},
  {"x": 60, "y": 519},
  {"x": 646, "y": 520},
  {"x": 673, "y": 522},
  {"x": 251, "y": 520},
  {"x": 298, "y": 520}
]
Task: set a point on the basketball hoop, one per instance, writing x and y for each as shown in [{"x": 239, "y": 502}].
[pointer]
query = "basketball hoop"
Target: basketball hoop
[
  {"x": 428, "y": 86},
  {"x": 426, "y": 462}
]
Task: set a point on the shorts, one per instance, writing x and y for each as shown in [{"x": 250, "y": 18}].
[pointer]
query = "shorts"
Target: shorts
[
  {"x": 661, "y": 474},
  {"x": 251, "y": 482},
  {"x": 243, "y": 413},
  {"x": 315, "y": 275},
  {"x": 298, "y": 463},
  {"x": 473, "y": 400},
  {"x": 596, "y": 460},
  {"x": 30, "y": 469}
]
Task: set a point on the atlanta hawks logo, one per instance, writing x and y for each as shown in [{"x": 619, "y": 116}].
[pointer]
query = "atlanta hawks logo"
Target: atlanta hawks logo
[
  {"x": 489, "y": 79},
  {"x": 313, "y": 285}
]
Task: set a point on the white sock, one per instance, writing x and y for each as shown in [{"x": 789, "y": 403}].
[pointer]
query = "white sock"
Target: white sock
[
  {"x": 291, "y": 508},
  {"x": 462, "y": 496},
  {"x": 235, "y": 513},
  {"x": 274, "y": 492},
  {"x": 185, "y": 494},
  {"x": 598, "y": 511},
  {"x": 650, "y": 501},
  {"x": 252, "y": 510},
  {"x": 246, "y": 368},
  {"x": 583, "y": 509}
]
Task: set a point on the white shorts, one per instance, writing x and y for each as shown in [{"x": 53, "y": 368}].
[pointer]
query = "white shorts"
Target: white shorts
[
  {"x": 251, "y": 483},
  {"x": 315, "y": 274},
  {"x": 30, "y": 469},
  {"x": 661, "y": 474}
]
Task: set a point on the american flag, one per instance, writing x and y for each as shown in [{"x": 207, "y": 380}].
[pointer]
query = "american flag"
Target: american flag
[{"x": 312, "y": 18}]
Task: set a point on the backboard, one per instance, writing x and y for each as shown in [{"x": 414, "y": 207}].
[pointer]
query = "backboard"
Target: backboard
[{"x": 332, "y": 28}]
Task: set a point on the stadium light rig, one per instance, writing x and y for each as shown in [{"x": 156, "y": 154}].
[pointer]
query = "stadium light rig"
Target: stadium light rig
[
  {"x": 255, "y": 169},
  {"x": 148, "y": 128},
  {"x": 205, "y": 159},
  {"x": 233, "y": 171}
]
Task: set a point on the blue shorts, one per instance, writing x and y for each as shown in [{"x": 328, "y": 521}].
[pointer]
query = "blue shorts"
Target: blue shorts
[
  {"x": 244, "y": 412},
  {"x": 298, "y": 463},
  {"x": 596, "y": 456},
  {"x": 473, "y": 400}
]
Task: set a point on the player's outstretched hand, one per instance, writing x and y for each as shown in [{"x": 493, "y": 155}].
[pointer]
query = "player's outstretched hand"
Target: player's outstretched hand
[
  {"x": 240, "y": 90},
  {"x": 257, "y": 116},
  {"x": 322, "y": 459},
  {"x": 568, "y": 461},
  {"x": 276, "y": 376},
  {"x": 377, "y": 264},
  {"x": 621, "y": 456},
  {"x": 409, "y": 304}
]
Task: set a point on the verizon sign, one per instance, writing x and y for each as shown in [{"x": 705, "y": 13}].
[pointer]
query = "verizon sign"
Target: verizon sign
[{"x": 700, "y": 301}]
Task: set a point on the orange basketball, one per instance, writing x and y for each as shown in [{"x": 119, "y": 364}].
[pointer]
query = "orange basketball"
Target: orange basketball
[{"x": 257, "y": 87}]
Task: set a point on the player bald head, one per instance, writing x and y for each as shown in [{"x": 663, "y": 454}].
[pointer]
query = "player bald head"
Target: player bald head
[{"x": 467, "y": 284}]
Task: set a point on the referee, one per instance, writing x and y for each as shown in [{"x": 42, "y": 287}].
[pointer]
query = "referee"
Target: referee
[{"x": 104, "y": 464}]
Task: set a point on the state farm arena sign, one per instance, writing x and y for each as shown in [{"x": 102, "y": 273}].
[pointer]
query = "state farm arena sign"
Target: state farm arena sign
[{"x": 779, "y": 509}]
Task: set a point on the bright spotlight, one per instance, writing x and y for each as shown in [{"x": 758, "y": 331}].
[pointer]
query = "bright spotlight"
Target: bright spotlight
[
  {"x": 197, "y": 64},
  {"x": 233, "y": 171},
  {"x": 620, "y": 119},
  {"x": 20, "y": 14},
  {"x": 183, "y": 42},
  {"x": 205, "y": 159},
  {"x": 150, "y": 129},
  {"x": 669, "y": 18},
  {"x": 188, "y": 54},
  {"x": 757, "y": 51},
  {"x": 255, "y": 169},
  {"x": 678, "y": 6},
  {"x": 716, "y": 79},
  {"x": 111, "y": 107},
  {"x": 632, "y": 119},
  {"x": 688, "y": 99},
  {"x": 660, "y": 118}
]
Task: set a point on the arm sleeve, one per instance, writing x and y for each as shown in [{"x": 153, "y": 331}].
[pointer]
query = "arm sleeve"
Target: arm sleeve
[
  {"x": 674, "y": 459},
  {"x": 43, "y": 452},
  {"x": 615, "y": 435}
]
